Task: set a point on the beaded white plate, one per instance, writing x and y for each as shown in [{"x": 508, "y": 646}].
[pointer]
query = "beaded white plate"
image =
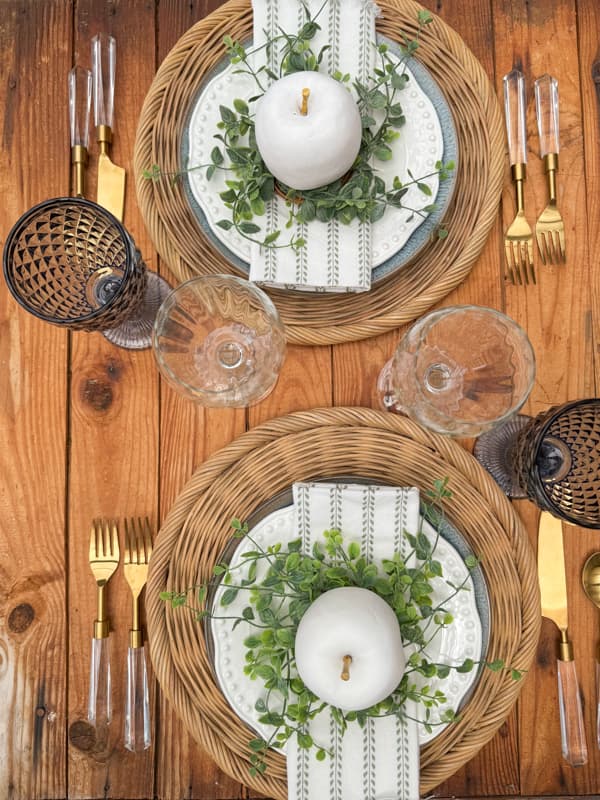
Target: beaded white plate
[
  {"x": 427, "y": 136},
  {"x": 452, "y": 645}
]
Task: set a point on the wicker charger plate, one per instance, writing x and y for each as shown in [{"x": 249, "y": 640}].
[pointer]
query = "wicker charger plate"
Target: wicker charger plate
[
  {"x": 319, "y": 444},
  {"x": 403, "y": 296}
]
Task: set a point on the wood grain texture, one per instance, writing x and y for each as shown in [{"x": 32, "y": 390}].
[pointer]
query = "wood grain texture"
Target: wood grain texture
[
  {"x": 114, "y": 435},
  {"x": 84, "y": 421},
  {"x": 33, "y": 413},
  {"x": 555, "y": 316}
]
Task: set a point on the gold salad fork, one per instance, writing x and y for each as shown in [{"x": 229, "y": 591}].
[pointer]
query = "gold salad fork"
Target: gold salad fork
[
  {"x": 104, "y": 560},
  {"x": 518, "y": 239},
  {"x": 550, "y": 228},
  {"x": 138, "y": 549}
]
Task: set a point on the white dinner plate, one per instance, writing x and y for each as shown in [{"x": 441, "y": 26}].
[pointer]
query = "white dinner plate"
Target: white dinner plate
[
  {"x": 465, "y": 638},
  {"x": 427, "y": 136}
]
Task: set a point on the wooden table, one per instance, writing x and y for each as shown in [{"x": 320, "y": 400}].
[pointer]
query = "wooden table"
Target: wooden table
[{"x": 88, "y": 429}]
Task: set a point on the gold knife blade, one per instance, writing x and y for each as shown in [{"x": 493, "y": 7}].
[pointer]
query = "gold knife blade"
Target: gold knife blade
[
  {"x": 551, "y": 570},
  {"x": 111, "y": 182}
]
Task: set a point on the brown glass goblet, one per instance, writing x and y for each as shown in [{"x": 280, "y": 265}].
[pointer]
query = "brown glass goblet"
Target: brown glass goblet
[
  {"x": 553, "y": 459},
  {"x": 69, "y": 262}
]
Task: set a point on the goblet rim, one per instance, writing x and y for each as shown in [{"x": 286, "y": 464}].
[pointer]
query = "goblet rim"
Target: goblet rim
[
  {"x": 425, "y": 323},
  {"x": 211, "y": 397},
  {"x": 79, "y": 321}
]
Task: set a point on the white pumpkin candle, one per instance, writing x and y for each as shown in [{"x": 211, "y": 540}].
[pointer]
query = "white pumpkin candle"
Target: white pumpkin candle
[
  {"x": 349, "y": 649},
  {"x": 308, "y": 130}
]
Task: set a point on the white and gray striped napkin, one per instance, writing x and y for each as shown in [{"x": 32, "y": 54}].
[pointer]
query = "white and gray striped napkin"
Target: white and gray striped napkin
[
  {"x": 380, "y": 760},
  {"x": 336, "y": 257}
]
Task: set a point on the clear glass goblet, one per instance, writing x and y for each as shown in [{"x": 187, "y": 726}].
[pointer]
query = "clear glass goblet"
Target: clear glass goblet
[
  {"x": 69, "y": 262},
  {"x": 459, "y": 371},
  {"x": 552, "y": 459},
  {"x": 218, "y": 339}
]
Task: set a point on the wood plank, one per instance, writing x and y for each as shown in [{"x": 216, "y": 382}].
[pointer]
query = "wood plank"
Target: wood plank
[
  {"x": 494, "y": 770},
  {"x": 588, "y": 34},
  {"x": 188, "y": 435},
  {"x": 114, "y": 434},
  {"x": 556, "y": 315},
  {"x": 33, "y": 357}
]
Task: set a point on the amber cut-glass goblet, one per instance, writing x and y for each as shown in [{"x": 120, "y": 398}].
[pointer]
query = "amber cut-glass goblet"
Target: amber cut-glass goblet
[
  {"x": 553, "y": 459},
  {"x": 459, "y": 371},
  {"x": 219, "y": 340},
  {"x": 69, "y": 262}
]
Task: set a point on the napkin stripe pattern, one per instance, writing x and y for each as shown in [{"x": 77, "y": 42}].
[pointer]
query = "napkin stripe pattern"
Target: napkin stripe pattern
[
  {"x": 335, "y": 257},
  {"x": 381, "y": 759}
]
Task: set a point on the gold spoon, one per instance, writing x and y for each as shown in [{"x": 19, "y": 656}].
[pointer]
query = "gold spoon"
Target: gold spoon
[{"x": 590, "y": 577}]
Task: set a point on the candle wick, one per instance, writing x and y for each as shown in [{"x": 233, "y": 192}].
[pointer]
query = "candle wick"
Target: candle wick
[
  {"x": 304, "y": 106},
  {"x": 347, "y": 660}
]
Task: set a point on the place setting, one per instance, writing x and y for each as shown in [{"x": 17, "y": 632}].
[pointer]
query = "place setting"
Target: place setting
[{"x": 326, "y": 294}]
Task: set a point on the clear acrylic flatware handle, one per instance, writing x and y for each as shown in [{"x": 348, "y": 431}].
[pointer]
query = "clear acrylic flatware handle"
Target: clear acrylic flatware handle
[
  {"x": 515, "y": 113},
  {"x": 572, "y": 731},
  {"x": 99, "y": 699},
  {"x": 80, "y": 99},
  {"x": 137, "y": 706},
  {"x": 546, "y": 107},
  {"x": 104, "y": 58}
]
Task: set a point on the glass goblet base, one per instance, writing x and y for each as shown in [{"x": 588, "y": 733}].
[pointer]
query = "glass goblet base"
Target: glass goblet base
[
  {"x": 495, "y": 451},
  {"x": 385, "y": 391},
  {"x": 136, "y": 332}
]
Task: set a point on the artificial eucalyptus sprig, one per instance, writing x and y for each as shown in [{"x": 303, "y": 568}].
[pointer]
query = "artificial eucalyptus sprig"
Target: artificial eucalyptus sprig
[
  {"x": 280, "y": 583},
  {"x": 361, "y": 195}
]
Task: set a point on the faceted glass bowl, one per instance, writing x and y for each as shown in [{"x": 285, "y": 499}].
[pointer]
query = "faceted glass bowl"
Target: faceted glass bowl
[{"x": 219, "y": 340}]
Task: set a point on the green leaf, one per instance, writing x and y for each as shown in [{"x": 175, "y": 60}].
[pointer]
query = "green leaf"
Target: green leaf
[
  {"x": 425, "y": 189},
  {"x": 496, "y": 665},
  {"x": 424, "y": 17},
  {"x": 305, "y": 740},
  {"x": 353, "y": 550},
  {"x": 229, "y": 596},
  {"x": 466, "y": 666},
  {"x": 249, "y": 227},
  {"x": 321, "y": 755},
  {"x": 216, "y": 156},
  {"x": 225, "y": 224},
  {"x": 227, "y": 114},
  {"x": 241, "y": 106},
  {"x": 219, "y": 569},
  {"x": 272, "y": 237},
  {"x": 257, "y": 745},
  {"x": 383, "y": 152},
  {"x": 399, "y": 80}
]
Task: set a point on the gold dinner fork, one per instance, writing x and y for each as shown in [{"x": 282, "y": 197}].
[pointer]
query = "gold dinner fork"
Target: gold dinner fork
[
  {"x": 138, "y": 549},
  {"x": 104, "y": 560},
  {"x": 518, "y": 239},
  {"x": 550, "y": 228}
]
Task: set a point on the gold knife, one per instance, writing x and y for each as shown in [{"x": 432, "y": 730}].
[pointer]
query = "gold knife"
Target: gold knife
[
  {"x": 111, "y": 178},
  {"x": 553, "y": 586}
]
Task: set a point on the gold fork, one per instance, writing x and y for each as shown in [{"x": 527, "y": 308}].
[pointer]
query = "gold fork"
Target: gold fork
[
  {"x": 518, "y": 239},
  {"x": 138, "y": 549},
  {"x": 104, "y": 560},
  {"x": 550, "y": 228}
]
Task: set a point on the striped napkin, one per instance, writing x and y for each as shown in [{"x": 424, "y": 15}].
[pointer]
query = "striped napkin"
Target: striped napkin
[
  {"x": 381, "y": 760},
  {"x": 336, "y": 257}
]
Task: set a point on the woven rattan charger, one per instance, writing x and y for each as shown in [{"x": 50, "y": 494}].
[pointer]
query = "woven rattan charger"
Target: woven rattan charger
[
  {"x": 319, "y": 444},
  {"x": 313, "y": 318}
]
